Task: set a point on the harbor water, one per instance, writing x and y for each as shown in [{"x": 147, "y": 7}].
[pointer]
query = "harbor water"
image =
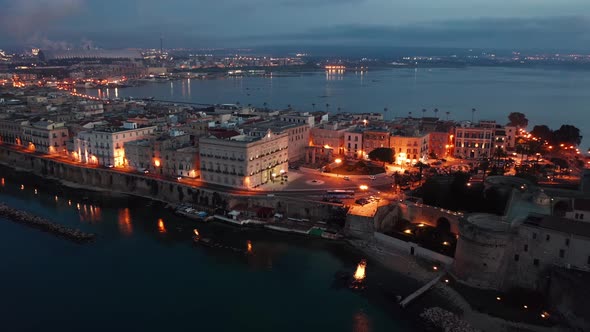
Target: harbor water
[
  {"x": 143, "y": 273},
  {"x": 547, "y": 96}
]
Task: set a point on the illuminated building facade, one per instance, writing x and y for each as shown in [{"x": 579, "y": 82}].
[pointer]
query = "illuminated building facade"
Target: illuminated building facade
[
  {"x": 105, "y": 146},
  {"x": 244, "y": 161},
  {"x": 45, "y": 136},
  {"x": 409, "y": 149}
]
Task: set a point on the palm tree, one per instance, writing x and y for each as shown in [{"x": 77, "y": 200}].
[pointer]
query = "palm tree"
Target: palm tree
[
  {"x": 473, "y": 114},
  {"x": 264, "y": 104},
  {"x": 423, "y": 112},
  {"x": 313, "y": 106},
  {"x": 448, "y": 113},
  {"x": 384, "y": 111},
  {"x": 410, "y": 114},
  {"x": 249, "y": 105},
  {"x": 435, "y": 112},
  {"x": 289, "y": 106},
  {"x": 339, "y": 109},
  {"x": 328, "y": 108}
]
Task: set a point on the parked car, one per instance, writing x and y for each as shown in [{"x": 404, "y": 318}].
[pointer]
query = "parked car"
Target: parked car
[
  {"x": 347, "y": 178},
  {"x": 361, "y": 201},
  {"x": 372, "y": 177}
]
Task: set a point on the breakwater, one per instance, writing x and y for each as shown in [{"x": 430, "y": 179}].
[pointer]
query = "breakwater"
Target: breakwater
[{"x": 45, "y": 225}]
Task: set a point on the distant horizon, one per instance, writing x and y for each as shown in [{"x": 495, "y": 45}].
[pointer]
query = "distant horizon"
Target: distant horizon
[{"x": 329, "y": 50}]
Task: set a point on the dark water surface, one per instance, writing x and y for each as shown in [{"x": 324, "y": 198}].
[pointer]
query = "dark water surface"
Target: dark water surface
[
  {"x": 144, "y": 274},
  {"x": 547, "y": 96}
]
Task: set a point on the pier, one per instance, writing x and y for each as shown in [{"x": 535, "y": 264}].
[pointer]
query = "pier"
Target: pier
[
  {"x": 403, "y": 303},
  {"x": 45, "y": 225}
]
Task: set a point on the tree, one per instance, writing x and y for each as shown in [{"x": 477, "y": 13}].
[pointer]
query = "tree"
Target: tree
[
  {"x": 313, "y": 106},
  {"x": 518, "y": 119},
  {"x": 568, "y": 134},
  {"x": 544, "y": 133},
  {"x": 421, "y": 167},
  {"x": 448, "y": 113},
  {"x": 384, "y": 155},
  {"x": 436, "y": 113},
  {"x": 423, "y": 112}
]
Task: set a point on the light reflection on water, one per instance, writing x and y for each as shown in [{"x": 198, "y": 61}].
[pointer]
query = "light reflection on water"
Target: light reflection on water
[
  {"x": 361, "y": 322},
  {"x": 90, "y": 213},
  {"x": 161, "y": 226},
  {"x": 124, "y": 222}
]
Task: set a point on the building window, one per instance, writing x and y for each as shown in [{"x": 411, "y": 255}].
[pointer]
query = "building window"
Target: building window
[
  {"x": 561, "y": 253},
  {"x": 536, "y": 262},
  {"x": 547, "y": 237},
  {"x": 567, "y": 242},
  {"x": 516, "y": 258},
  {"x": 526, "y": 247},
  {"x": 534, "y": 236},
  {"x": 576, "y": 216}
]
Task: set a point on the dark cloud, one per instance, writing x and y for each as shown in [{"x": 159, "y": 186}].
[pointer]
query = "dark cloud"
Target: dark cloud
[
  {"x": 543, "y": 32},
  {"x": 317, "y": 3},
  {"x": 21, "y": 18}
]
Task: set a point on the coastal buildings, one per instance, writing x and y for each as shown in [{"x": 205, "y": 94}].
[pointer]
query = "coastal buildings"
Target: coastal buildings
[
  {"x": 353, "y": 143},
  {"x": 171, "y": 154},
  {"x": 474, "y": 141},
  {"x": 298, "y": 133},
  {"x": 45, "y": 136},
  {"x": 409, "y": 149},
  {"x": 105, "y": 145},
  {"x": 244, "y": 161},
  {"x": 375, "y": 138}
]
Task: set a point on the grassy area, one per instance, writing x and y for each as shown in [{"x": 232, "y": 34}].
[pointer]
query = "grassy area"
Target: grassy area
[{"x": 359, "y": 168}]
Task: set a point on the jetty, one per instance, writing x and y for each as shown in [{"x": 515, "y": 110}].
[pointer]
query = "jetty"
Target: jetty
[
  {"x": 45, "y": 225},
  {"x": 403, "y": 303}
]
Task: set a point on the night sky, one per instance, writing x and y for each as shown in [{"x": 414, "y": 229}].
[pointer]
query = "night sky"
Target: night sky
[{"x": 548, "y": 24}]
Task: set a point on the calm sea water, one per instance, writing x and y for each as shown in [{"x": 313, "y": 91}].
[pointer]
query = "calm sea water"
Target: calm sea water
[
  {"x": 144, "y": 274},
  {"x": 546, "y": 96}
]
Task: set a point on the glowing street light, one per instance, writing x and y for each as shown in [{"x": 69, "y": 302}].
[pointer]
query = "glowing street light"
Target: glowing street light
[{"x": 363, "y": 187}]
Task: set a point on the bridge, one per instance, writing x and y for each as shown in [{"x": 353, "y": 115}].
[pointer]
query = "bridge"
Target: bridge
[{"x": 417, "y": 213}]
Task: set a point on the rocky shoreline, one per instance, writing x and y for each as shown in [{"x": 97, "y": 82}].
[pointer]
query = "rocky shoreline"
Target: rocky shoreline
[{"x": 45, "y": 225}]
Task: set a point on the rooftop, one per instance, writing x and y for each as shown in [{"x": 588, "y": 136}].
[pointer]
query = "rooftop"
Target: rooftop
[
  {"x": 488, "y": 221},
  {"x": 559, "y": 224}
]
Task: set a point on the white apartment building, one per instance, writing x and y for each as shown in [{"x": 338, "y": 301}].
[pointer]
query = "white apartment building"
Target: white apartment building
[
  {"x": 304, "y": 118},
  {"x": 11, "y": 130},
  {"x": 244, "y": 161},
  {"x": 353, "y": 144},
  {"x": 105, "y": 146},
  {"x": 299, "y": 135},
  {"x": 45, "y": 136},
  {"x": 409, "y": 149},
  {"x": 475, "y": 141}
]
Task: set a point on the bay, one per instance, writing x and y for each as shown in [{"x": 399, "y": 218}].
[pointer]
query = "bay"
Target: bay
[
  {"x": 547, "y": 96},
  {"x": 144, "y": 274}
]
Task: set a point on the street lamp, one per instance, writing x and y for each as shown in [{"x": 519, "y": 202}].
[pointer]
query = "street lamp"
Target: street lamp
[
  {"x": 363, "y": 187},
  {"x": 338, "y": 161}
]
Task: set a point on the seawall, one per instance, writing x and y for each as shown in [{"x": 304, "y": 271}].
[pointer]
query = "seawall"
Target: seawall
[{"x": 169, "y": 191}]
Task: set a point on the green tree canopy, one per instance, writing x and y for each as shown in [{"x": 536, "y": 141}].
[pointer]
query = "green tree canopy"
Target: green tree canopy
[
  {"x": 382, "y": 154},
  {"x": 518, "y": 119}
]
